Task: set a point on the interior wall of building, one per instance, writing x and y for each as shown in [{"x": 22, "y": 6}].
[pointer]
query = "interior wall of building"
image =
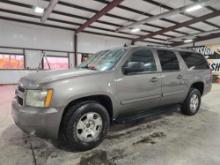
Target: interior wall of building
[
  {"x": 94, "y": 43},
  {"x": 14, "y": 34}
]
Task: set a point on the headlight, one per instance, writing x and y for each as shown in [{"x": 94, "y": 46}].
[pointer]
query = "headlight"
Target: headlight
[{"x": 39, "y": 98}]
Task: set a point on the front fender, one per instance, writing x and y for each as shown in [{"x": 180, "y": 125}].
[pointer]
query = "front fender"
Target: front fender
[{"x": 66, "y": 91}]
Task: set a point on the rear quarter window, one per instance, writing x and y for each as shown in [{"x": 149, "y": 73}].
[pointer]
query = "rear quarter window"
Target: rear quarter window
[{"x": 195, "y": 60}]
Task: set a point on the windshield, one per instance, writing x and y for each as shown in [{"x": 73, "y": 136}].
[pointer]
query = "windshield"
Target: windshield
[{"x": 104, "y": 60}]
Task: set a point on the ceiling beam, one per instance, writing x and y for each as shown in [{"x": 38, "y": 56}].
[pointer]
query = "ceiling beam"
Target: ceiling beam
[
  {"x": 142, "y": 13},
  {"x": 71, "y": 23},
  {"x": 34, "y": 23},
  {"x": 65, "y": 28},
  {"x": 102, "y": 12},
  {"x": 179, "y": 25},
  {"x": 115, "y": 16},
  {"x": 49, "y": 9},
  {"x": 59, "y": 27},
  {"x": 159, "y": 16},
  {"x": 61, "y": 13},
  {"x": 198, "y": 39},
  {"x": 76, "y": 16},
  {"x": 188, "y": 15},
  {"x": 79, "y": 17},
  {"x": 193, "y": 36}
]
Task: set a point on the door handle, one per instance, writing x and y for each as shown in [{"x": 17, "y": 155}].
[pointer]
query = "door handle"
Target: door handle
[
  {"x": 179, "y": 76},
  {"x": 154, "y": 79}
]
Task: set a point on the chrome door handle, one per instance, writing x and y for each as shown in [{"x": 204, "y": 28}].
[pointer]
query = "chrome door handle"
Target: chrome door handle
[
  {"x": 154, "y": 79},
  {"x": 179, "y": 76}
]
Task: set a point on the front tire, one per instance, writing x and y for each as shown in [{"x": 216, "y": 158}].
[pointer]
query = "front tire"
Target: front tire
[
  {"x": 192, "y": 103},
  {"x": 85, "y": 125}
]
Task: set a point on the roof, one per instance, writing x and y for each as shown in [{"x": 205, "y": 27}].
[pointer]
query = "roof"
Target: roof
[{"x": 104, "y": 17}]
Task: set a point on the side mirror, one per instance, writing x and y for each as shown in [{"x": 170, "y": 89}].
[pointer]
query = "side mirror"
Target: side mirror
[{"x": 133, "y": 67}]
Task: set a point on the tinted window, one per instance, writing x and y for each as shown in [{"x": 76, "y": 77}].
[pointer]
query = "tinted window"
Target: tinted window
[
  {"x": 168, "y": 60},
  {"x": 141, "y": 60},
  {"x": 194, "y": 60}
]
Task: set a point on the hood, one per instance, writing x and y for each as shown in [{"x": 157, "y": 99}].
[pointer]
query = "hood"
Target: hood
[{"x": 49, "y": 76}]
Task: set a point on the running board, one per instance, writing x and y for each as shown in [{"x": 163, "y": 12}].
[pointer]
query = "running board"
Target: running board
[{"x": 148, "y": 114}]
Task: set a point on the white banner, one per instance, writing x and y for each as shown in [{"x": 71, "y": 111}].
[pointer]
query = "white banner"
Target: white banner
[
  {"x": 214, "y": 64},
  {"x": 212, "y": 54}
]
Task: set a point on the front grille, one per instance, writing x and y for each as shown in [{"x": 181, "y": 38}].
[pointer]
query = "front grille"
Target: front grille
[
  {"x": 21, "y": 89},
  {"x": 19, "y": 100}
]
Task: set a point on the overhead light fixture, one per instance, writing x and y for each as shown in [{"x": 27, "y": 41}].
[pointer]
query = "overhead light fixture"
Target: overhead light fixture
[
  {"x": 38, "y": 9},
  {"x": 193, "y": 8},
  {"x": 188, "y": 41},
  {"x": 135, "y": 30}
]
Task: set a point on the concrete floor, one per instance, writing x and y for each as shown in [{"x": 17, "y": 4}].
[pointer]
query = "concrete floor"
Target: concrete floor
[{"x": 169, "y": 139}]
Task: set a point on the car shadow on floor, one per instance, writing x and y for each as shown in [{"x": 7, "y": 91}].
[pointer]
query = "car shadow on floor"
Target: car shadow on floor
[
  {"x": 122, "y": 128},
  {"x": 14, "y": 136}
]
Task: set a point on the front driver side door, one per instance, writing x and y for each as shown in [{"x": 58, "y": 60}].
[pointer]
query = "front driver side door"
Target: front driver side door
[{"x": 139, "y": 87}]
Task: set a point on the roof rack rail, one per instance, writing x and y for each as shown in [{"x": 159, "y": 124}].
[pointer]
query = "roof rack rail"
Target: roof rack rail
[
  {"x": 160, "y": 46},
  {"x": 177, "y": 48},
  {"x": 125, "y": 46}
]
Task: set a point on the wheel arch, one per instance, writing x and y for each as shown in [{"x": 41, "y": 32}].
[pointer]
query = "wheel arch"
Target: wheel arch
[
  {"x": 104, "y": 100},
  {"x": 199, "y": 85}
]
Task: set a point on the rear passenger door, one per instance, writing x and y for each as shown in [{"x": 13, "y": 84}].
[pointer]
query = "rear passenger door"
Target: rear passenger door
[{"x": 173, "y": 86}]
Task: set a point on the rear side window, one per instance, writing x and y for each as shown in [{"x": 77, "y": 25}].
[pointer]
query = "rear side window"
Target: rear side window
[
  {"x": 194, "y": 60},
  {"x": 168, "y": 60}
]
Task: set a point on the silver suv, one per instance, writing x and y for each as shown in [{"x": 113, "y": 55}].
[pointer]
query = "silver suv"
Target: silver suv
[{"x": 78, "y": 105}]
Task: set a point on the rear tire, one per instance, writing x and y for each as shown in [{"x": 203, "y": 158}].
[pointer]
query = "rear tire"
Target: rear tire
[
  {"x": 192, "y": 103},
  {"x": 85, "y": 125}
]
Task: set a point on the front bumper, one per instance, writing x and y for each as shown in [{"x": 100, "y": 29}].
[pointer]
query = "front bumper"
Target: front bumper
[{"x": 37, "y": 121}]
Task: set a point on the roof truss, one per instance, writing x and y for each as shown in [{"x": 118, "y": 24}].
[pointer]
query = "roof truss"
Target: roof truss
[{"x": 108, "y": 26}]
